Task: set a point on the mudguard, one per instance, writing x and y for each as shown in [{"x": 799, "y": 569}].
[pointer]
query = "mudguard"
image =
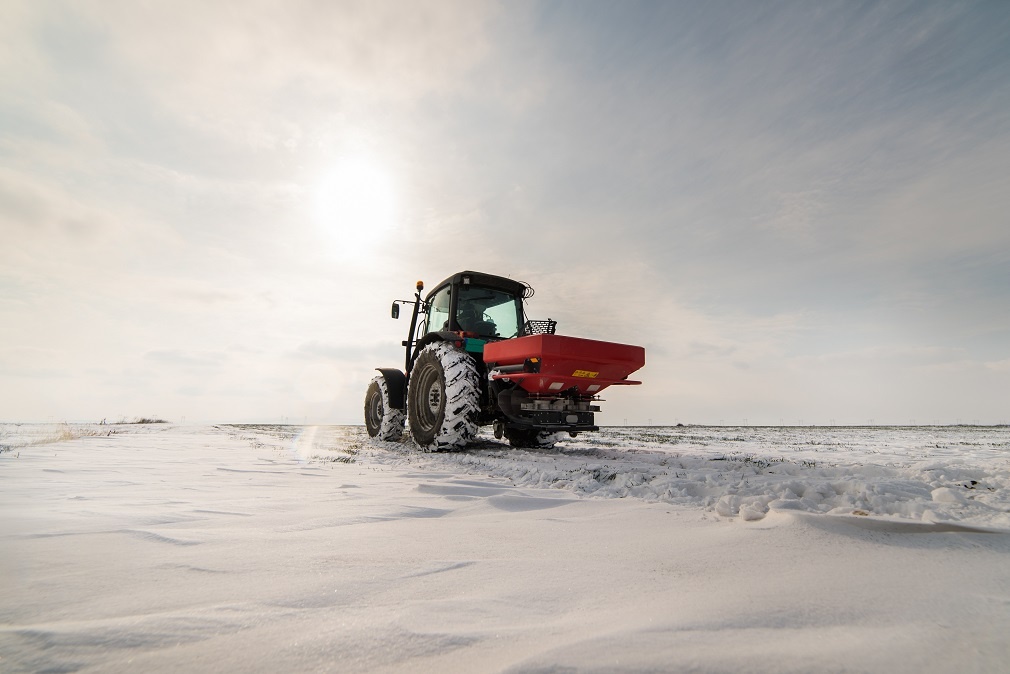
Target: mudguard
[
  {"x": 396, "y": 386},
  {"x": 439, "y": 336}
]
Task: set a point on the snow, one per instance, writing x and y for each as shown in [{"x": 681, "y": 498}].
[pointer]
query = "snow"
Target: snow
[{"x": 279, "y": 548}]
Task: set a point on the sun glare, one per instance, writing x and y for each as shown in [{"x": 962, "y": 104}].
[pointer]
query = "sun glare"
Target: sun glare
[{"x": 355, "y": 203}]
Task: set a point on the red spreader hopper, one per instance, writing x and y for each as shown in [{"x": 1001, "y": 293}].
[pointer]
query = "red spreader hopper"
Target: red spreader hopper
[{"x": 551, "y": 364}]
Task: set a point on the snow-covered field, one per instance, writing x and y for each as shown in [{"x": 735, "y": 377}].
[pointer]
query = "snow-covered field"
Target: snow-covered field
[{"x": 692, "y": 549}]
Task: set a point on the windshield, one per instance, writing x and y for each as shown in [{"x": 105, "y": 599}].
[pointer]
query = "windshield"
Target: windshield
[{"x": 489, "y": 313}]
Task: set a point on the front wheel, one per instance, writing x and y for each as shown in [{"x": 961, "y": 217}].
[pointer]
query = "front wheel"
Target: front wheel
[
  {"x": 381, "y": 420},
  {"x": 443, "y": 398}
]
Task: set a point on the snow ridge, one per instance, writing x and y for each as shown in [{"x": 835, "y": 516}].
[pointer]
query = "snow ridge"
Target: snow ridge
[{"x": 955, "y": 474}]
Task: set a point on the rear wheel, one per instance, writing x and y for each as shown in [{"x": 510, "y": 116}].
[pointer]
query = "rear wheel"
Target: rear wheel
[
  {"x": 531, "y": 439},
  {"x": 443, "y": 398},
  {"x": 381, "y": 420}
]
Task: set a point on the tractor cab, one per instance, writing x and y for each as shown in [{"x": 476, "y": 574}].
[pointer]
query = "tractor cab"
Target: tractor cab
[{"x": 480, "y": 306}]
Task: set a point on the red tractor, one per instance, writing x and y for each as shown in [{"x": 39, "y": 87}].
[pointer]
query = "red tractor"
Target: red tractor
[{"x": 473, "y": 360}]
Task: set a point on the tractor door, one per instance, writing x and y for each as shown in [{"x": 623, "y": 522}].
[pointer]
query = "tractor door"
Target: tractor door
[{"x": 438, "y": 311}]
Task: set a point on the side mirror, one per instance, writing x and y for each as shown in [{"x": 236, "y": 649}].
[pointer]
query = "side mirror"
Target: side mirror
[{"x": 395, "y": 312}]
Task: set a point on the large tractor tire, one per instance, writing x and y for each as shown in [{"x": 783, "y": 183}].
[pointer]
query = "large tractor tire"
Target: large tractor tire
[
  {"x": 443, "y": 398},
  {"x": 529, "y": 439},
  {"x": 381, "y": 420}
]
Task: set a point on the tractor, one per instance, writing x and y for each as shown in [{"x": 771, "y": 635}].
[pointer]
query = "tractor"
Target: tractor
[{"x": 473, "y": 359}]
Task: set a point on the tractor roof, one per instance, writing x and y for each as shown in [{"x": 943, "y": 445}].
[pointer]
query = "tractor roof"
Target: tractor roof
[{"x": 485, "y": 280}]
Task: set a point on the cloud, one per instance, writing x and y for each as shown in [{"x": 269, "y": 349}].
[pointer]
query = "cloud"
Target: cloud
[
  {"x": 31, "y": 208},
  {"x": 30, "y": 361},
  {"x": 782, "y": 204},
  {"x": 189, "y": 360},
  {"x": 342, "y": 352},
  {"x": 1001, "y": 366},
  {"x": 207, "y": 296},
  {"x": 210, "y": 64}
]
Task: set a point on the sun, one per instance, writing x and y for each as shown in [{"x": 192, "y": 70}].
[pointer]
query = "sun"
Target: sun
[{"x": 355, "y": 203}]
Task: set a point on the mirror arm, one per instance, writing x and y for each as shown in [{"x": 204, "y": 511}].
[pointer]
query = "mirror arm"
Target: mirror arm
[{"x": 413, "y": 326}]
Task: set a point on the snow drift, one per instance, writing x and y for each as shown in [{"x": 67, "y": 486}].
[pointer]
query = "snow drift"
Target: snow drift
[{"x": 268, "y": 548}]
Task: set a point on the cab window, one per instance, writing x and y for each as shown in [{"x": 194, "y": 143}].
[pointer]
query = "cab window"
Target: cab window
[
  {"x": 438, "y": 311},
  {"x": 489, "y": 313}
]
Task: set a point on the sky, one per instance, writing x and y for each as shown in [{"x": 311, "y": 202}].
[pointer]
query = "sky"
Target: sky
[{"x": 799, "y": 209}]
